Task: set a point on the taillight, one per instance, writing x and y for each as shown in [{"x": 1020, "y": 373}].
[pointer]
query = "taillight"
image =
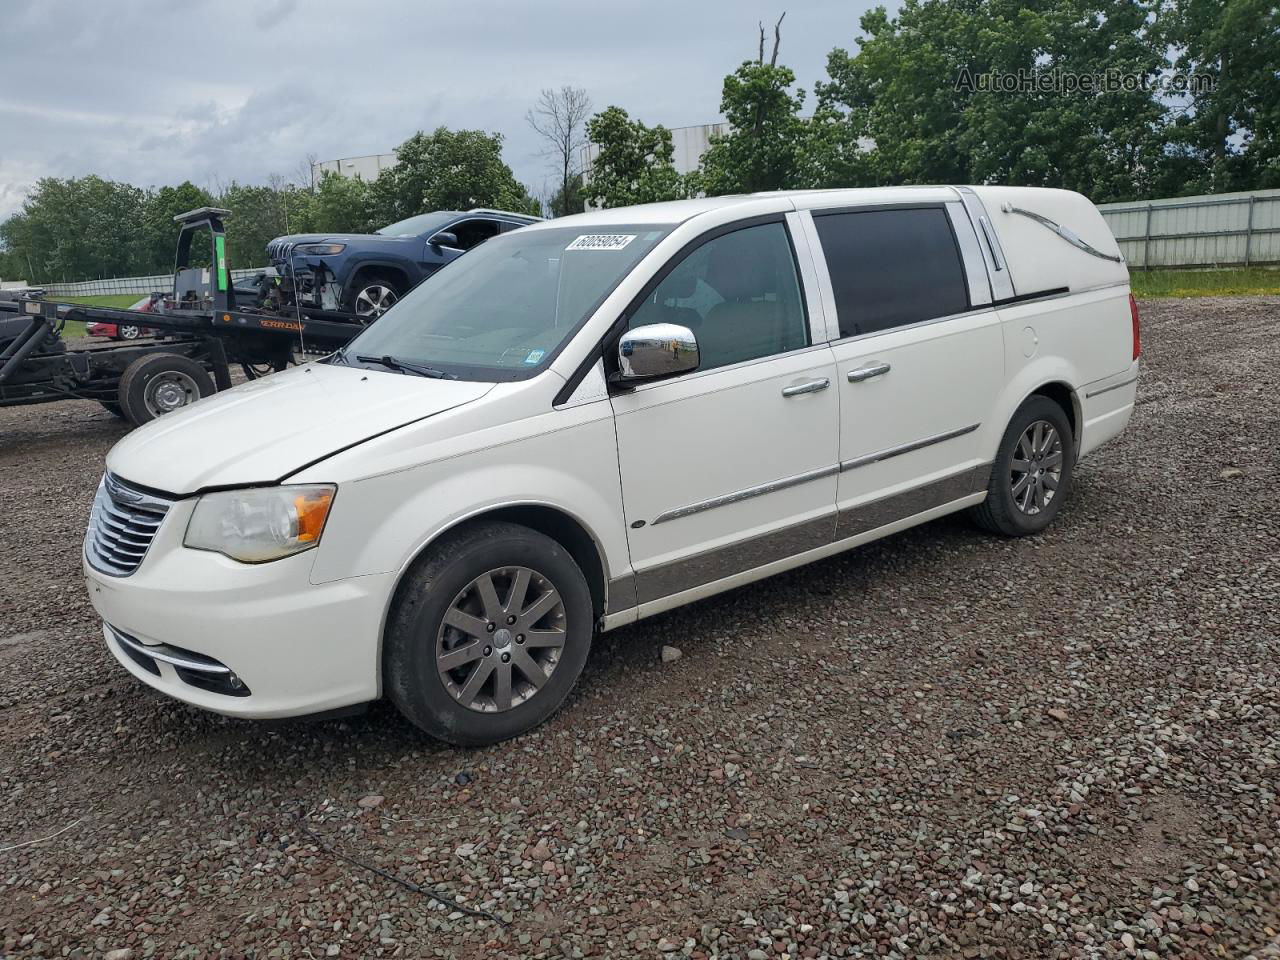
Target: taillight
[{"x": 1137, "y": 327}]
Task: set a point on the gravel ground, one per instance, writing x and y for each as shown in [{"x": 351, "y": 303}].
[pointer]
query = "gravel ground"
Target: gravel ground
[{"x": 940, "y": 745}]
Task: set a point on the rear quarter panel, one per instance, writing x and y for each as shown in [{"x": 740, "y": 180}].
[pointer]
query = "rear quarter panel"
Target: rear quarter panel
[{"x": 1082, "y": 337}]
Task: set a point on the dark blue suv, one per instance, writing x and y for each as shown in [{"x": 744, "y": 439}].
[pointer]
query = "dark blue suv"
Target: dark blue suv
[{"x": 366, "y": 273}]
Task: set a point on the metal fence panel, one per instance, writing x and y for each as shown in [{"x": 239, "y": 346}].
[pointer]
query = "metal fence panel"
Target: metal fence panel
[
  {"x": 1214, "y": 230},
  {"x": 130, "y": 285}
]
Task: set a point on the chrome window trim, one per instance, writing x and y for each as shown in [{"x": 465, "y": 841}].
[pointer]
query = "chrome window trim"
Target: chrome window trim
[
  {"x": 975, "y": 269},
  {"x": 1001, "y": 282},
  {"x": 976, "y": 311},
  {"x": 889, "y": 452},
  {"x": 810, "y": 289},
  {"x": 746, "y": 494},
  {"x": 822, "y": 275}
]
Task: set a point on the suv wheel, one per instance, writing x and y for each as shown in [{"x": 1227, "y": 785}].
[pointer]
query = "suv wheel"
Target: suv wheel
[
  {"x": 488, "y": 634},
  {"x": 1031, "y": 476},
  {"x": 372, "y": 299}
]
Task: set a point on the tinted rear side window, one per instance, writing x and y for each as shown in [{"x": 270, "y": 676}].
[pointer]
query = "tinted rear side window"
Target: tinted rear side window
[{"x": 890, "y": 268}]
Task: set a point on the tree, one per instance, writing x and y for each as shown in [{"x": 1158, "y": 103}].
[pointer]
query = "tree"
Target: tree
[
  {"x": 763, "y": 149},
  {"x": 632, "y": 162},
  {"x": 448, "y": 170},
  {"x": 566, "y": 201},
  {"x": 919, "y": 86},
  {"x": 559, "y": 118},
  {"x": 160, "y": 231},
  {"x": 343, "y": 205},
  {"x": 1227, "y": 133}
]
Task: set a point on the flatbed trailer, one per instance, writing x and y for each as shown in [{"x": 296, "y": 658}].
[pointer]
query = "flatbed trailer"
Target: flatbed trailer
[{"x": 202, "y": 331}]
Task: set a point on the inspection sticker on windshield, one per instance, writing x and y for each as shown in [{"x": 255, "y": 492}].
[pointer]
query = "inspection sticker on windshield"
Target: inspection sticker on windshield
[
  {"x": 601, "y": 241},
  {"x": 534, "y": 356}
]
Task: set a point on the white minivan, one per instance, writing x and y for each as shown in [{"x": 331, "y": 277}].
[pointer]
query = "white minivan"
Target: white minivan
[{"x": 598, "y": 418}]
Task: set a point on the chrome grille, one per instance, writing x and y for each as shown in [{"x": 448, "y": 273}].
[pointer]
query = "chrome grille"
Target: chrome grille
[{"x": 122, "y": 525}]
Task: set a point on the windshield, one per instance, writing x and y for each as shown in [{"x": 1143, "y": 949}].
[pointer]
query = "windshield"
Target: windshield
[
  {"x": 502, "y": 311},
  {"x": 416, "y": 226}
]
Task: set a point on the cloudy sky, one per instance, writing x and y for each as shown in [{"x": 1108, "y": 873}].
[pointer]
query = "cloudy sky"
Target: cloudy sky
[{"x": 156, "y": 91}]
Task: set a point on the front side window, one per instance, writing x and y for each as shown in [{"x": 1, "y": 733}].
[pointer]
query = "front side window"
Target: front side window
[
  {"x": 890, "y": 268},
  {"x": 738, "y": 293},
  {"x": 472, "y": 233},
  {"x": 504, "y": 310}
]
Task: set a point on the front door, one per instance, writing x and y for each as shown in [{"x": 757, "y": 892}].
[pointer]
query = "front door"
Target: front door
[{"x": 732, "y": 466}]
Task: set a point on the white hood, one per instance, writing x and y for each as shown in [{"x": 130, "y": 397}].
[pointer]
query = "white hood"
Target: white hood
[{"x": 264, "y": 430}]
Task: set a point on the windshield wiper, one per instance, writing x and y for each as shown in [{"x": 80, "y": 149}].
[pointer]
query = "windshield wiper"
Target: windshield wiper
[{"x": 407, "y": 366}]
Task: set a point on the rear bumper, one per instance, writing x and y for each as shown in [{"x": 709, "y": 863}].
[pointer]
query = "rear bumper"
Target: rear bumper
[{"x": 245, "y": 641}]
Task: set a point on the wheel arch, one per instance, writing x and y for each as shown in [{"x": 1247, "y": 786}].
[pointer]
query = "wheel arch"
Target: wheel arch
[
  {"x": 1066, "y": 397},
  {"x": 551, "y": 521},
  {"x": 377, "y": 268},
  {"x": 1051, "y": 377}
]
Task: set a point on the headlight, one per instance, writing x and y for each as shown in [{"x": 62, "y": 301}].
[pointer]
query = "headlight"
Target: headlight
[
  {"x": 260, "y": 524},
  {"x": 319, "y": 249}
]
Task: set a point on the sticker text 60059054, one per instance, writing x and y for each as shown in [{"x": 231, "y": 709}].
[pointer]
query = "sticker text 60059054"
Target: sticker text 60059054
[{"x": 601, "y": 241}]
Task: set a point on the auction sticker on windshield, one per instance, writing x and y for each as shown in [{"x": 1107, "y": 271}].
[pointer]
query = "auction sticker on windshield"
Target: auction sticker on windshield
[{"x": 601, "y": 241}]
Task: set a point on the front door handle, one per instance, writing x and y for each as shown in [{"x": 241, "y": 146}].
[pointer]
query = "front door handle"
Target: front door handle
[
  {"x": 866, "y": 373},
  {"x": 813, "y": 386}
]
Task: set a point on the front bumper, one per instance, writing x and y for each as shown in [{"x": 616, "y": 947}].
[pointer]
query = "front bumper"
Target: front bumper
[{"x": 195, "y": 624}]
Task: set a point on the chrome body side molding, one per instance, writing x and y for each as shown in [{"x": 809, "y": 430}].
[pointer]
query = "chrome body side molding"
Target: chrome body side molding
[
  {"x": 746, "y": 494},
  {"x": 713, "y": 565},
  {"x": 888, "y": 452}
]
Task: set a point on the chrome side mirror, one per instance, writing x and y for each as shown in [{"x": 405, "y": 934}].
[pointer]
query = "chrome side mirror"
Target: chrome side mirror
[{"x": 656, "y": 351}]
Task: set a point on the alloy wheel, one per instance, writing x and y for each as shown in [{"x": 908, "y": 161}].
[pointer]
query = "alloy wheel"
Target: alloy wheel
[
  {"x": 501, "y": 639},
  {"x": 374, "y": 300},
  {"x": 1035, "y": 471}
]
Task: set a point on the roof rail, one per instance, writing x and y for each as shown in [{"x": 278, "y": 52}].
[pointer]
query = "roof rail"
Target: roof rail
[{"x": 506, "y": 213}]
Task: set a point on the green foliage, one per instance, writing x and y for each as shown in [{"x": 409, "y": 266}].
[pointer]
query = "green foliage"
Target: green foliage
[
  {"x": 632, "y": 163},
  {"x": 913, "y": 87},
  {"x": 448, "y": 170},
  {"x": 1252, "y": 281},
  {"x": 764, "y": 148},
  {"x": 569, "y": 199},
  {"x": 344, "y": 205},
  {"x": 88, "y": 228},
  {"x": 161, "y": 233},
  {"x": 1229, "y": 138}
]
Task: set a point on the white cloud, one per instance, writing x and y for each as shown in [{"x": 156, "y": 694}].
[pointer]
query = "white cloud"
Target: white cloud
[{"x": 152, "y": 92}]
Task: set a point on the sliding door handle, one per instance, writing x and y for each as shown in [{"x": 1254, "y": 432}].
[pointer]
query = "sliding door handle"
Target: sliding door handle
[
  {"x": 866, "y": 373},
  {"x": 813, "y": 386}
]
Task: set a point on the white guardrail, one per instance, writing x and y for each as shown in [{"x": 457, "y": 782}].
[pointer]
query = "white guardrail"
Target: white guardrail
[{"x": 119, "y": 285}]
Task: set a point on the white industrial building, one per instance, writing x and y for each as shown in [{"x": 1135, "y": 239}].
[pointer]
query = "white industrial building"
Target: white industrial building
[
  {"x": 366, "y": 168},
  {"x": 688, "y": 145}
]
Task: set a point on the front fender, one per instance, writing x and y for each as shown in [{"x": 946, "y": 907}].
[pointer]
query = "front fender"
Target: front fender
[{"x": 381, "y": 523}]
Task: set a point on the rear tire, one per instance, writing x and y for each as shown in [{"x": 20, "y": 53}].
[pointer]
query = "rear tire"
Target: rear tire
[
  {"x": 1031, "y": 476},
  {"x": 517, "y": 634},
  {"x": 159, "y": 383}
]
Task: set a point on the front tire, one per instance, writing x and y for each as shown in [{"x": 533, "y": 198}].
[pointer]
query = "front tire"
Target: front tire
[
  {"x": 1031, "y": 476},
  {"x": 487, "y": 635}
]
